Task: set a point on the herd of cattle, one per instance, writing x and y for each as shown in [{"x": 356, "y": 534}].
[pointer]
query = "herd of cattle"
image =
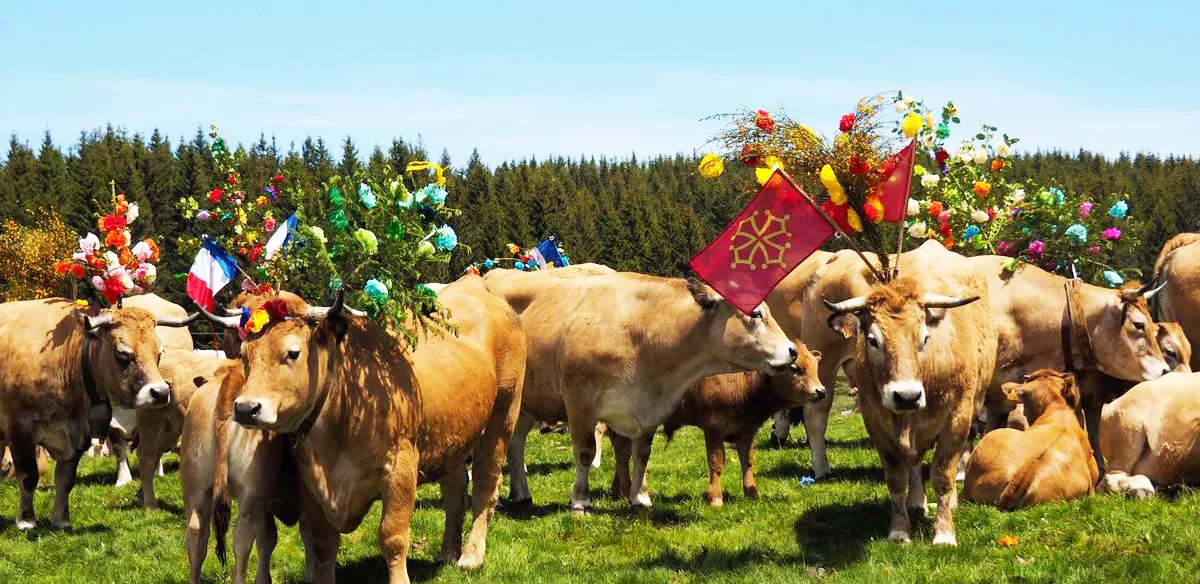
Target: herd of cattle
[{"x": 319, "y": 415}]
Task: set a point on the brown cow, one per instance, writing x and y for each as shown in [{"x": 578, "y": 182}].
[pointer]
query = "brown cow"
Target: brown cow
[
  {"x": 331, "y": 379},
  {"x": 1151, "y": 436},
  {"x": 921, "y": 369},
  {"x": 62, "y": 369},
  {"x": 731, "y": 408},
  {"x": 1178, "y": 270},
  {"x": 623, "y": 348},
  {"x": 1049, "y": 461}
]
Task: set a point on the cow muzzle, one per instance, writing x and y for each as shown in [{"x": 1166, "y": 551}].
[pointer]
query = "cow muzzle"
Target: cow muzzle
[
  {"x": 153, "y": 395},
  {"x": 1154, "y": 368},
  {"x": 253, "y": 412},
  {"x": 904, "y": 396},
  {"x": 818, "y": 394}
]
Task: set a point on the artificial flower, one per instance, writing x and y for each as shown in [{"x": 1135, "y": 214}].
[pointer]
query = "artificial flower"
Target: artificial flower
[
  {"x": 1017, "y": 195},
  {"x": 836, "y": 193},
  {"x": 902, "y": 106},
  {"x": 258, "y": 319},
  {"x": 980, "y": 216},
  {"x": 918, "y": 169},
  {"x": 394, "y": 230},
  {"x": 711, "y": 166},
  {"x": 131, "y": 214},
  {"x": 911, "y": 125},
  {"x": 1059, "y": 196},
  {"x": 366, "y": 238},
  {"x": 1003, "y": 149},
  {"x": 972, "y": 231},
  {"x": 1085, "y": 209},
  {"x": 750, "y": 155},
  {"x": 335, "y": 197},
  {"x": 405, "y": 200},
  {"x": 125, "y": 256},
  {"x": 519, "y": 266},
  {"x": 930, "y": 121},
  {"x": 117, "y": 238},
  {"x": 1036, "y": 248},
  {"x": 914, "y": 208},
  {"x": 982, "y": 188},
  {"x": 269, "y": 225},
  {"x": 232, "y": 179},
  {"x": 762, "y": 119},
  {"x": 980, "y": 155},
  {"x": 948, "y": 242},
  {"x": 80, "y": 302},
  {"x": 474, "y": 271},
  {"x": 1112, "y": 233},
  {"x": 489, "y": 263},
  {"x": 271, "y": 190},
  {"x": 146, "y": 273},
  {"x": 338, "y": 220},
  {"x": 1077, "y": 233},
  {"x": 366, "y": 195},
  {"x": 1004, "y": 248},
  {"x": 918, "y": 230},
  {"x": 1119, "y": 210},
  {"x": 89, "y": 244},
  {"x": 445, "y": 238},
  {"x": 1093, "y": 250},
  {"x": 261, "y": 201},
  {"x": 376, "y": 290},
  {"x": 847, "y": 123},
  {"x": 215, "y": 195},
  {"x": 203, "y": 215},
  {"x": 113, "y": 222},
  {"x": 965, "y": 155},
  {"x": 425, "y": 249},
  {"x": 873, "y": 209},
  {"x": 943, "y": 131},
  {"x": 318, "y": 234},
  {"x": 431, "y": 194},
  {"x": 942, "y": 156},
  {"x": 927, "y": 141},
  {"x": 512, "y": 248},
  {"x": 944, "y": 228},
  {"x": 935, "y": 208},
  {"x": 997, "y": 164},
  {"x": 859, "y": 166},
  {"x": 113, "y": 289},
  {"x": 279, "y": 178},
  {"x": 1112, "y": 278},
  {"x": 930, "y": 180}
]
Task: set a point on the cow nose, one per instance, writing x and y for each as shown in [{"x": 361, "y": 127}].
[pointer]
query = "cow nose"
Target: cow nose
[
  {"x": 819, "y": 394},
  {"x": 160, "y": 395},
  {"x": 907, "y": 399},
  {"x": 792, "y": 353},
  {"x": 246, "y": 412},
  {"x": 1165, "y": 371}
]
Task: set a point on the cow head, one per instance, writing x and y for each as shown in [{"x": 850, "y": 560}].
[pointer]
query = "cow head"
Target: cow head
[
  {"x": 743, "y": 341},
  {"x": 124, "y": 356},
  {"x": 1041, "y": 390},
  {"x": 1176, "y": 348},
  {"x": 1124, "y": 338},
  {"x": 800, "y": 384},
  {"x": 893, "y": 324}
]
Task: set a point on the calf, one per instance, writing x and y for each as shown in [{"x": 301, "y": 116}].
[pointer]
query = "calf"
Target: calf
[
  {"x": 1050, "y": 461},
  {"x": 1151, "y": 436},
  {"x": 731, "y": 408}
]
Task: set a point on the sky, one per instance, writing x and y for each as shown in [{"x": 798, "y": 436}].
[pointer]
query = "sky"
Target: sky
[{"x": 540, "y": 79}]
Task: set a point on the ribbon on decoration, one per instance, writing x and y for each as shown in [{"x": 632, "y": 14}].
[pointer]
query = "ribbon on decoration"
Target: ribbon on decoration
[{"x": 426, "y": 165}]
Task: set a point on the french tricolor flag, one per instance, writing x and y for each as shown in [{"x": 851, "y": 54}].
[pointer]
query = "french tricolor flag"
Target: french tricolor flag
[{"x": 212, "y": 270}]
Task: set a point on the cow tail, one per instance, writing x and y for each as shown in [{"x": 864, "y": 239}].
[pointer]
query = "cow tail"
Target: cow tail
[
  {"x": 1020, "y": 483},
  {"x": 220, "y": 520},
  {"x": 231, "y": 386},
  {"x": 669, "y": 432}
]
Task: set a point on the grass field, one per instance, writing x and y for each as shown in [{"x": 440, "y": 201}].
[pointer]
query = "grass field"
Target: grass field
[{"x": 834, "y": 531}]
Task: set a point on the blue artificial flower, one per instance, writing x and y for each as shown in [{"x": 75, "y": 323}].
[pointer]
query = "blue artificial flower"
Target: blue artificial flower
[
  {"x": 245, "y": 317},
  {"x": 1077, "y": 233},
  {"x": 431, "y": 195},
  {"x": 1119, "y": 210},
  {"x": 807, "y": 481},
  {"x": 1059, "y": 196},
  {"x": 972, "y": 231},
  {"x": 366, "y": 195},
  {"x": 445, "y": 239},
  {"x": 376, "y": 290},
  {"x": 405, "y": 200},
  {"x": 489, "y": 264},
  {"x": 1112, "y": 278},
  {"x": 519, "y": 266}
]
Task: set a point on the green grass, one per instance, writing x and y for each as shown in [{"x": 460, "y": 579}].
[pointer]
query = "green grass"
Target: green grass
[{"x": 834, "y": 531}]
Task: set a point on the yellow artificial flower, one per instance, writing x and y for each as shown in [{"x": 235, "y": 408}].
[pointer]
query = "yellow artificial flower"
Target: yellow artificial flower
[
  {"x": 258, "y": 319},
  {"x": 764, "y": 172},
  {"x": 251, "y": 237},
  {"x": 241, "y": 216},
  {"x": 81, "y": 303},
  {"x": 853, "y": 220},
  {"x": 711, "y": 166},
  {"x": 513, "y": 249},
  {"x": 836, "y": 193},
  {"x": 918, "y": 170},
  {"x": 912, "y": 124}
]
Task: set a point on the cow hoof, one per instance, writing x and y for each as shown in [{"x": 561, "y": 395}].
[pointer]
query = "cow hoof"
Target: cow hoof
[
  {"x": 25, "y": 525},
  {"x": 62, "y": 525},
  {"x": 918, "y": 511},
  {"x": 470, "y": 562},
  {"x": 716, "y": 503},
  {"x": 751, "y": 493},
  {"x": 520, "y": 503},
  {"x": 961, "y": 476},
  {"x": 899, "y": 536},
  {"x": 945, "y": 539},
  {"x": 640, "y": 500},
  {"x": 1140, "y": 486},
  {"x": 124, "y": 480},
  {"x": 447, "y": 558}
]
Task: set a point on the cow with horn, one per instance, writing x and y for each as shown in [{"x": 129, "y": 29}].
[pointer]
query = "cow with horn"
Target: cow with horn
[
  {"x": 64, "y": 372},
  {"x": 924, "y": 352},
  {"x": 1178, "y": 268}
]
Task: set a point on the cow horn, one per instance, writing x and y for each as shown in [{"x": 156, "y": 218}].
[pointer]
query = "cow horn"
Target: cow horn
[
  {"x": 225, "y": 321},
  {"x": 95, "y": 322},
  {"x": 850, "y": 305},
  {"x": 338, "y": 307},
  {"x": 939, "y": 301},
  {"x": 176, "y": 321},
  {"x": 1148, "y": 294},
  {"x": 233, "y": 311}
]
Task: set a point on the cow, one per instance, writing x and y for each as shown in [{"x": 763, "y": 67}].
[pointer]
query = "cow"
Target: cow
[
  {"x": 924, "y": 352},
  {"x": 731, "y": 407},
  {"x": 623, "y": 348},
  {"x": 328, "y": 378},
  {"x": 1151, "y": 436},
  {"x": 1178, "y": 270},
  {"x": 1049, "y": 461},
  {"x": 63, "y": 369}
]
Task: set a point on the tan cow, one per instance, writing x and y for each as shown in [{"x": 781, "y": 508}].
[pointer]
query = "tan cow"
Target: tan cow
[
  {"x": 1151, "y": 436},
  {"x": 1178, "y": 270},
  {"x": 731, "y": 408},
  {"x": 623, "y": 348},
  {"x": 921, "y": 365},
  {"x": 1049, "y": 461},
  {"x": 330, "y": 379},
  {"x": 62, "y": 369}
]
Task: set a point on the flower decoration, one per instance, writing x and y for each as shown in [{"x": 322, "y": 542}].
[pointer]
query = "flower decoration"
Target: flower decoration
[
  {"x": 1085, "y": 209},
  {"x": 1036, "y": 248},
  {"x": 1112, "y": 233},
  {"x": 366, "y": 196},
  {"x": 113, "y": 269},
  {"x": 376, "y": 290},
  {"x": 1113, "y": 278},
  {"x": 847, "y": 123},
  {"x": 982, "y": 188},
  {"x": 711, "y": 166},
  {"x": 366, "y": 238},
  {"x": 1118, "y": 210},
  {"x": 445, "y": 238},
  {"x": 550, "y": 250},
  {"x": 911, "y": 125},
  {"x": 762, "y": 119}
]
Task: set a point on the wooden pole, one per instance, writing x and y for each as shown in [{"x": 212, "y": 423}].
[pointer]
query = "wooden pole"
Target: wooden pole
[
  {"x": 912, "y": 160},
  {"x": 832, "y": 223}
]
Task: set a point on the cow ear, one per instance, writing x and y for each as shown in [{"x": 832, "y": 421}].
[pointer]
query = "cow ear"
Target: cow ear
[
  {"x": 934, "y": 316},
  {"x": 844, "y": 323},
  {"x": 93, "y": 324},
  {"x": 705, "y": 296},
  {"x": 1070, "y": 391},
  {"x": 815, "y": 353}
]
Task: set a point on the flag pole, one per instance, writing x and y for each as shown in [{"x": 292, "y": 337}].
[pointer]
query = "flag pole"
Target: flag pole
[
  {"x": 912, "y": 160},
  {"x": 831, "y": 222}
]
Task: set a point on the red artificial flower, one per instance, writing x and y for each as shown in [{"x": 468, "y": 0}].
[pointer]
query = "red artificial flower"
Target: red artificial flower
[
  {"x": 859, "y": 166},
  {"x": 948, "y": 243},
  {"x": 997, "y": 164},
  {"x": 838, "y": 214},
  {"x": 113, "y": 290},
  {"x": 116, "y": 239},
  {"x": 473, "y": 270},
  {"x": 278, "y": 178},
  {"x": 991, "y": 213},
  {"x": 944, "y": 229},
  {"x": 750, "y": 155},
  {"x": 122, "y": 204},
  {"x": 113, "y": 222},
  {"x": 847, "y": 123},
  {"x": 62, "y": 267},
  {"x": 153, "y": 251},
  {"x": 942, "y": 156},
  {"x": 255, "y": 252},
  {"x": 77, "y": 270},
  {"x": 872, "y": 212},
  {"x": 232, "y": 179},
  {"x": 96, "y": 261},
  {"x": 215, "y": 195},
  {"x": 125, "y": 257},
  {"x": 762, "y": 119},
  {"x": 277, "y": 309},
  {"x": 935, "y": 208}
]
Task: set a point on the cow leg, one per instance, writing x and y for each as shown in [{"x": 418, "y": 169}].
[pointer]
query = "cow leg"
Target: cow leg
[
  {"x": 518, "y": 483},
  {"x": 641, "y": 460},
  {"x": 781, "y": 427},
  {"x": 65, "y": 474},
  {"x": 601, "y": 428},
  {"x": 268, "y": 536},
  {"x": 942, "y": 472},
  {"x": 745, "y": 450},
  {"x": 399, "y": 496},
  {"x": 582, "y": 428},
  {"x": 24, "y": 460},
  {"x": 454, "y": 501},
  {"x": 119, "y": 447},
  {"x": 896, "y": 474},
  {"x": 199, "y": 514},
  {"x": 321, "y": 543},
  {"x": 816, "y": 419},
  {"x": 916, "y": 492},
  {"x": 1091, "y": 415},
  {"x": 715, "y": 447},
  {"x": 251, "y": 515},
  {"x": 623, "y": 452},
  {"x": 149, "y": 460},
  {"x": 488, "y": 473}
]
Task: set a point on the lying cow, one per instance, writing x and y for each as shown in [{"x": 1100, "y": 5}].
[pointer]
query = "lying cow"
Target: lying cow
[
  {"x": 921, "y": 365},
  {"x": 1178, "y": 269},
  {"x": 731, "y": 408},
  {"x": 1049, "y": 461},
  {"x": 623, "y": 348},
  {"x": 62, "y": 369},
  {"x": 1151, "y": 436},
  {"x": 328, "y": 378}
]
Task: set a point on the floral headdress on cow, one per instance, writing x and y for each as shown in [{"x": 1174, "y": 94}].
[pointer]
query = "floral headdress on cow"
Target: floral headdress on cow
[
  {"x": 240, "y": 214},
  {"x": 111, "y": 262},
  {"x": 523, "y": 259}
]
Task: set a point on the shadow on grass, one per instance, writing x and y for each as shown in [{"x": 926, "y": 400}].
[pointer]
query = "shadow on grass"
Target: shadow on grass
[
  {"x": 374, "y": 569},
  {"x": 708, "y": 561},
  {"x": 106, "y": 478},
  {"x": 8, "y": 528},
  {"x": 545, "y": 468},
  {"x": 529, "y": 510},
  {"x": 793, "y": 470},
  {"x": 836, "y": 535},
  {"x": 165, "y": 506}
]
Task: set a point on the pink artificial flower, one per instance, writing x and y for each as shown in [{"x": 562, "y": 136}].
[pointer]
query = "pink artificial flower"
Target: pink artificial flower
[
  {"x": 1112, "y": 233},
  {"x": 1004, "y": 248},
  {"x": 1036, "y": 248},
  {"x": 269, "y": 225},
  {"x": 1085, "y": 209},
  {"x": 1093, "y": 250}
]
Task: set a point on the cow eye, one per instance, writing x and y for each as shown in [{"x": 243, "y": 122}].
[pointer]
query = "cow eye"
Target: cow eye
[
  {"x": 794, "y": 368},
  {"x": 924, "y": 341},
  {"x": 1171, "y": 353},
  {"x": 873, "y": 341},
  {"x": 293, "y": 354},
  {"x": 756, "y": 315},
  {"x": 124, "y": 358},
  {"x": 1139, "y": 325}
]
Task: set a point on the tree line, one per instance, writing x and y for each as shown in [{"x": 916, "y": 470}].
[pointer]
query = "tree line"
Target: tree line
[{"x": 647, "y": 215}]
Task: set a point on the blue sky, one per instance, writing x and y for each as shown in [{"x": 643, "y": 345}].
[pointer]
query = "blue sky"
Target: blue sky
[{"x": 613, "y": 78}]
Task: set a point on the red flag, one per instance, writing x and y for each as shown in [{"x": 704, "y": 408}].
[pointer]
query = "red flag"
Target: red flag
[
  {"x": 895, "y": 183},
  {"x": 764, "y": 243}
]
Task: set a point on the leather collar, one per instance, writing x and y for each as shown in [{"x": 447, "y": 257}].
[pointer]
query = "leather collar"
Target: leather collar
[{"x": 1075, "y": 332}]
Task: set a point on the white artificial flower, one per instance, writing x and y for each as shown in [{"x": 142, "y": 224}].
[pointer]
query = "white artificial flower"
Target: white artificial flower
[
  {"x": 151, "y": 272},
  {"x": 927, "y": 140},
  {"x": 965, "y": 154},
  {"x": 901, "y": 106},
  {"x": 981, "y": 155},
  {"x": 132, "y": 214},
  {"x": 1018, "y": 195},
  {"x": 142, "y": 251},
  {"x": 1003, "y": 149},
  {"x": 918, "y": 229},
  {"x": 979, "y": 216},
  {"x": 930, "y": 180},
  {"x": 127, "y": 281},
  {"x": 914, "y": 207},
  {"x": 112, "y": 260},
  {"x": 930, "y": 120}
]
